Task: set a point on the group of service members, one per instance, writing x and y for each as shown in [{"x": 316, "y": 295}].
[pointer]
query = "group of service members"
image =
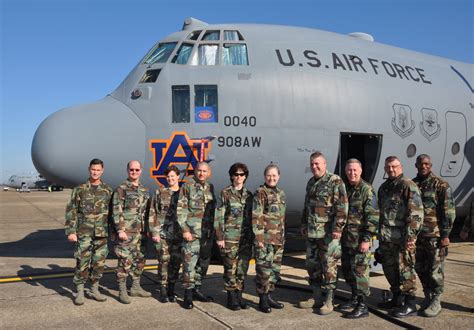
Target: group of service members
[{"x": 412, "y": 220}]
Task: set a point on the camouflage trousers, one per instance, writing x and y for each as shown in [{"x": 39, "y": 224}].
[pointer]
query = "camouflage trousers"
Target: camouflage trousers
[
  {"x": 236, "y": 258},
  {"x": 322, "y": 256},
  {"x": 430, "y": 264},
  {"x": 399, "y": 268},
  {"x": 268, "y": 266},
  {"x": 196, "y": 259},
  {"x": 356, "y": 268},
  {"x": 90, "y": 253},
  {"x": 170, "y": 257},
  {"x": 131, "y": 256}
]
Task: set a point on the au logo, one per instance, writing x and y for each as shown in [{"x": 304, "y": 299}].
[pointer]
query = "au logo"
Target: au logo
[{"x": 178, "y": 150}]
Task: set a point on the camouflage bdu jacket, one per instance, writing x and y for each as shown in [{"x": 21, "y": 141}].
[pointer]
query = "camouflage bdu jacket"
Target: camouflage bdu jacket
[
  {"x": 88, "y": 209},
  {"x": 363, "y": 215},
  {"x": 401, "y": 210},
  {"x": 196, "y": 207},
  {"x": 129, "y": 207},
  {"x": 234, "y": 215},
  {"x": 325, "y": 206},
  {"x": 164, "y": 223},
  {"x": 438, "y": 206},
  {"x": 268, "y": 216}
]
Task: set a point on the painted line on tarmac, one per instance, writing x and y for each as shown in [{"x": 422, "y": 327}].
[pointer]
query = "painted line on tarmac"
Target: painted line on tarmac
[{"x": 27, "y": 278}]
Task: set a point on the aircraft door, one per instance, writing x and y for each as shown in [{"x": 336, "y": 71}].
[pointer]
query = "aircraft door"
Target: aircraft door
[
  {"x": 364, "y": 147},
  {"x": 456, "y": 133}
]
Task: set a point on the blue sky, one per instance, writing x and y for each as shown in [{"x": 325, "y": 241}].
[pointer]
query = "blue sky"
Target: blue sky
[{"x": 58, "y": 53}]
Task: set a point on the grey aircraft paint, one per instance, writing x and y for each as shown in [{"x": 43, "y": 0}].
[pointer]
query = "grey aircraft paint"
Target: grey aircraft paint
[{"x": 263, "y": 93}]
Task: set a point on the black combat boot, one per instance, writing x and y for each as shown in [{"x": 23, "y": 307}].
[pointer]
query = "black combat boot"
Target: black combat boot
[
  {"x": 351, "y": 304},
  {"x": 361, "y": 310},
  {"x": 198, "y": 295},
  {"x": 232, "y": 301},
  {"x": 407, "y": 310},
  {"x": 188, "y": 299},
  {"x": 394, "y": 302},
  {"x": 164, "y": 294},
  {"x": 273, "y": 303},
  {"x": 241, "y": 301},
  {"x": 263, "y": 303},
  {"x": 171, "y": 294}
]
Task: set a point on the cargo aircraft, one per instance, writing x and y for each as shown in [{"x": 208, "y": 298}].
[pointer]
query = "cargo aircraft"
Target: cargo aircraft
[{"x": 264, "y": 93}]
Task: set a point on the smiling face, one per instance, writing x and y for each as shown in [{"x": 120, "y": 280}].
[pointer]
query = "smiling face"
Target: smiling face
[
  {"x": 423, "y": 166},
  {"x": 272, "y": 177},
  {"x": 318, "y": 166},
  {"x": 238, "y": 178},
  {"x": 95, "y": 172},
  {"x": 134, "y": 171},
  {"x": 353, "y": 173},
  {"x": 393, "y": 168},
  {"x": 173, "y": 179}
]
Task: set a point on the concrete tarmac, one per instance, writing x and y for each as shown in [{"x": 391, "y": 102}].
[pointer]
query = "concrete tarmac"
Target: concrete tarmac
[{"x": 36, "y": 290}]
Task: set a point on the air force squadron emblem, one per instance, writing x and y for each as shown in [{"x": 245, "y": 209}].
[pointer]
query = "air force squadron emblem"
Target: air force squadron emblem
[
  {"x": 178, "y": 150},
  {"x": 402, "y": 123},
  {"x": 429, "y": 126}
]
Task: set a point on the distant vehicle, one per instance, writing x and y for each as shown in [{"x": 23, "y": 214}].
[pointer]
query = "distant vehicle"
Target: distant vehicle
[
  {"x": 265, "y": 93},
  {"x": 24, "y": 183}
]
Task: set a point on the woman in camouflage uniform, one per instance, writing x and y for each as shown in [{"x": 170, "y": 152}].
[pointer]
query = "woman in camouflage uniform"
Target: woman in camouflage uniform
[
  {"x": 268, "y": 224},
  {"x": 234, "y": 235},
  {"x": 166, "y": 234}
]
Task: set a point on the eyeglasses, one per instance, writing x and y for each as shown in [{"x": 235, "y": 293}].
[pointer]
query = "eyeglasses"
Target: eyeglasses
[
  {"x": 134, "y": 170},
  {"x": 239, "y": 174}
]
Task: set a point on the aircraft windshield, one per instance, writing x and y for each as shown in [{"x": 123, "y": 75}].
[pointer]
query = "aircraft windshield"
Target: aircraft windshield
[
  {"x": 183, "y": 53},
  {"x": 161, "y": 53}
]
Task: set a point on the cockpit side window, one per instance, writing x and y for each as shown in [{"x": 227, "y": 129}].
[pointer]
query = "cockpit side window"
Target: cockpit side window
[
  {"x": 207, "y": 54},
  {"x": 181, "y": 104},
  {"x": 205, "y": 104},
  {"x": 183, "y": 53},
  {"x": 234, "y": 54},
  {"x": 211, "y": 35},
  {"x": 194, "y": 35},
  {"x": 161, "y": 53}
]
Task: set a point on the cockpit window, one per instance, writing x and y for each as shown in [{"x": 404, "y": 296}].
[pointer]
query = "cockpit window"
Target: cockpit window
[
  {"x": 211, "y": 35},
  {"x": 235, "y": 54},
  {"x": 150, "y": 76},
  {"x": 161, "y": 53},
  {"x": 207, "y": 54},
  {"x": 183, "y": 53},
  {"x": 181, "y": 113},
  {"x": 205, "y": 104},
  {"x": 194, "y": 35},
  {"x": 232, "y": 35}
]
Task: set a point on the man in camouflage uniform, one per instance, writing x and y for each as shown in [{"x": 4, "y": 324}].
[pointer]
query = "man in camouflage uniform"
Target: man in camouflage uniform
[
  {"x": 234, "y": 234},
  {"x": 362, "y": 224},
  {"x": 86, "y": 226},
  {"x": 130, "y": 202},
  {"x": 196, "y": 207},
  {"x": 166, "y": 234},
  {"x": 401, "y": 216},
  {"x": 268, "y": 224},
  {"x": 322, "y": 223},
  {"x": 433, "y": 240}
]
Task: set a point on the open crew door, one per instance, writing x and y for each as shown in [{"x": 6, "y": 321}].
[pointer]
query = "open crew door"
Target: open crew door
[{"x": 365, "y": 147}]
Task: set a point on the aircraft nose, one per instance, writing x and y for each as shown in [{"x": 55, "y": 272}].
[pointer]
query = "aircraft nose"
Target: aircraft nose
[{"x": 67, "y": 140}]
